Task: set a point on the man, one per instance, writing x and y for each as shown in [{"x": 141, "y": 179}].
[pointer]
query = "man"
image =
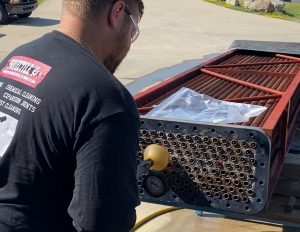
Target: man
[{"x": 69, "y": 128}]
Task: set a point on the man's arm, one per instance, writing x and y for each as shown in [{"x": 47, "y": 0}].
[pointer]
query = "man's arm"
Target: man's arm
[{"x": 105, "y": 193}]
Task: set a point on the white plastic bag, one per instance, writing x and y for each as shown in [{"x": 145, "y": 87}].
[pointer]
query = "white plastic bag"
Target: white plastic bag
[{"x": 187, "y": 104}]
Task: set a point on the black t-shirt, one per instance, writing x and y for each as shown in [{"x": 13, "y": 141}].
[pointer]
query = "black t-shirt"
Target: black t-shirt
[{"x": 68, "y": 140}]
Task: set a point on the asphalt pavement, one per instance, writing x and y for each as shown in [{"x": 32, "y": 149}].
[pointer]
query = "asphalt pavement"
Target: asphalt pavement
[{"x": 175, "y": 34}]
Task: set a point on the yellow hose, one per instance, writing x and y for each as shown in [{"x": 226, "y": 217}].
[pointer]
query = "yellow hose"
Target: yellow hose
[{"x": 151, "y": 216}]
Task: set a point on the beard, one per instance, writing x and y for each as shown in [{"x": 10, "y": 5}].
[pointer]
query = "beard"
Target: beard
[{"x": 113, "y": 61}]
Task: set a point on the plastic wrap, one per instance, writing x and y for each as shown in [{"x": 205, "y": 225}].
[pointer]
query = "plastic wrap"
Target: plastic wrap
[{"x": 187, "y": 104}]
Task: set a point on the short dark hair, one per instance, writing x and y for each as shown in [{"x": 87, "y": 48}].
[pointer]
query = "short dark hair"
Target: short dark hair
[{"x": 91, "y": 8}]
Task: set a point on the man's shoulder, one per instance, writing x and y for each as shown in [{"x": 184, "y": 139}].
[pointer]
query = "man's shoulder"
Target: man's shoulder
[{"x": 74, "y": 73}]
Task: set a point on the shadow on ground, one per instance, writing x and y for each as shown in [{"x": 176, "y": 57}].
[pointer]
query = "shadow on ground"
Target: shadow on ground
[
  {"x": 33, "y": 21},
  {"x": 164, "y": 73},
  {"x": 2, "y": 35}
]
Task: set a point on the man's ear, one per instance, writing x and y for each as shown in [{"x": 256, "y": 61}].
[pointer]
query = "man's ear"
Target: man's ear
[{"x": 116, "y": 13}]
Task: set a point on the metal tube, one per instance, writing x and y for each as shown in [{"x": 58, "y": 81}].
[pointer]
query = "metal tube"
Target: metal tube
[
  {"x": 196, "y": 154},
  {"x": 236, "y": 198},
  {"x": 202, "y": 78},
  {"x": 256, "y": 98},
  {"x": 295, "y": 69},
  {"x": 245, "y": 183},
  {"x": 178, "y": 136},
  {"x": 254, "y": 72},
  {"x": 217, "y": 180},
  {"x": 233, "y": 93},
  {"x": 282, "y": 104},
  {"x": 232, "y": 174},
  {"x": 245, "y": 199},
  {"x": 243, "y": 159},
  {"x": 208, "y": 193},
  {"x": 217, "y": 195},
  {"x": 261, "y": 119},
  {"x": 226, "y": 196},
  {"x": 174, "y": 143},
  {"x": 209, "y": 164},
  {"x": 234, "y": 143},
  {"x": 236, "y": 182},
  {"x": 143, "y": 110},
  {"x": 196, "y": 138},
  {"x": 203, "y": 88},
  {"x": 256, "y": 122},
  {"x": 206, "y": 140},
  {"x": 186, "y": 167},
  {"x": 182, "y": 160},
  {"x": 238, "y": 151},
  {"x": 195, "y": 169},
  {"x": 219, "y": 87},
  {"x": 214, "y": 156},
  {"x": 288, "y": 57},
  {"x": 218, "y": 164},
  {"x": 237, "y": 167},
  {"x": 242, "y": 175},
  {"x": 234, "y": 59},
  {"x": 208, "y": 178},
  {"x": 251, "y": 85},
  {"x": 210, "y": 147},
  {"x": 223, "y": 172},
  {"x": 204, "y": 185},
  {"x": 238, "y": 89},
  {"x": 248, "y": 152},
  {"x": 222, "y": 187},
  {"x": 161, "y": 134},
  {"x": 200, "y": 177},
  {"x": 257, "y": 93},
  {"x": 231, "y": 189},
  {"x": 252, "y": 64},
  {"x": 223, "y": 94},
  {"x": 233, "y": 158},
  {"x": 223, "y": 157},
  {"x": 192, "y": 145},
  {"x": 215, "y": 140},
  {"x": 227, "y": 181},
  {"x": 191, "y": 161},
  {"x": 201, "y": 81},
  {"x": 187, "y": 153},
  {"x": 204, "y": 170},
  {"x": 247, "y": 168}
]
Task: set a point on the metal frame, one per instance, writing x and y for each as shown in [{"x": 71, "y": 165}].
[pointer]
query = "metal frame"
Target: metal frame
[
  {"x": 228, "y": 132},
  {"x": 277, "y": 94}
]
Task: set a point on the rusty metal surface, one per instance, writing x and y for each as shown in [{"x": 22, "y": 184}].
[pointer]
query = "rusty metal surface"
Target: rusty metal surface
[
  {"x": 255, "y": 79},
  {"x": 260, "y": 78},
  {"x": 224, "y": 167}
]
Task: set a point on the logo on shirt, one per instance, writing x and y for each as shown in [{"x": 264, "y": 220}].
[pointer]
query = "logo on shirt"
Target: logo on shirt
[{"x": 25, "y": 70}]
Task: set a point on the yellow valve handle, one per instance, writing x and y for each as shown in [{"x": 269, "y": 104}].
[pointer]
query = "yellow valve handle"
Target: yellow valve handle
[{"x": 158, "y": 155}]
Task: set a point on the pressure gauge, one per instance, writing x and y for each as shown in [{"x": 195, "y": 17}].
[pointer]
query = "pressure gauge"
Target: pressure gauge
[{"x": 155, "y": 185}]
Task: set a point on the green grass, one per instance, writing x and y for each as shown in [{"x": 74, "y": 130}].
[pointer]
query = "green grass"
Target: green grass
[
  {"x": 291, "y": 10},
  {"x": 41, "y": 1}
]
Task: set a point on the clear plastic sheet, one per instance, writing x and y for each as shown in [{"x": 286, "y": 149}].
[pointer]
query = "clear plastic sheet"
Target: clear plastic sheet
[{"x": 187, "y": 104}]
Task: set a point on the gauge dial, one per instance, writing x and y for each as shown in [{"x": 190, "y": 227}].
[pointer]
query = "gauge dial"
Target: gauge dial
[{"x": 155, "y": 185}]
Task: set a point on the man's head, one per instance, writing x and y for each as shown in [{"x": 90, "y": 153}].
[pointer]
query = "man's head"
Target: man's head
[
  {"x": 107, "y": 26},
  {"x": 90, "y": 9}
]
